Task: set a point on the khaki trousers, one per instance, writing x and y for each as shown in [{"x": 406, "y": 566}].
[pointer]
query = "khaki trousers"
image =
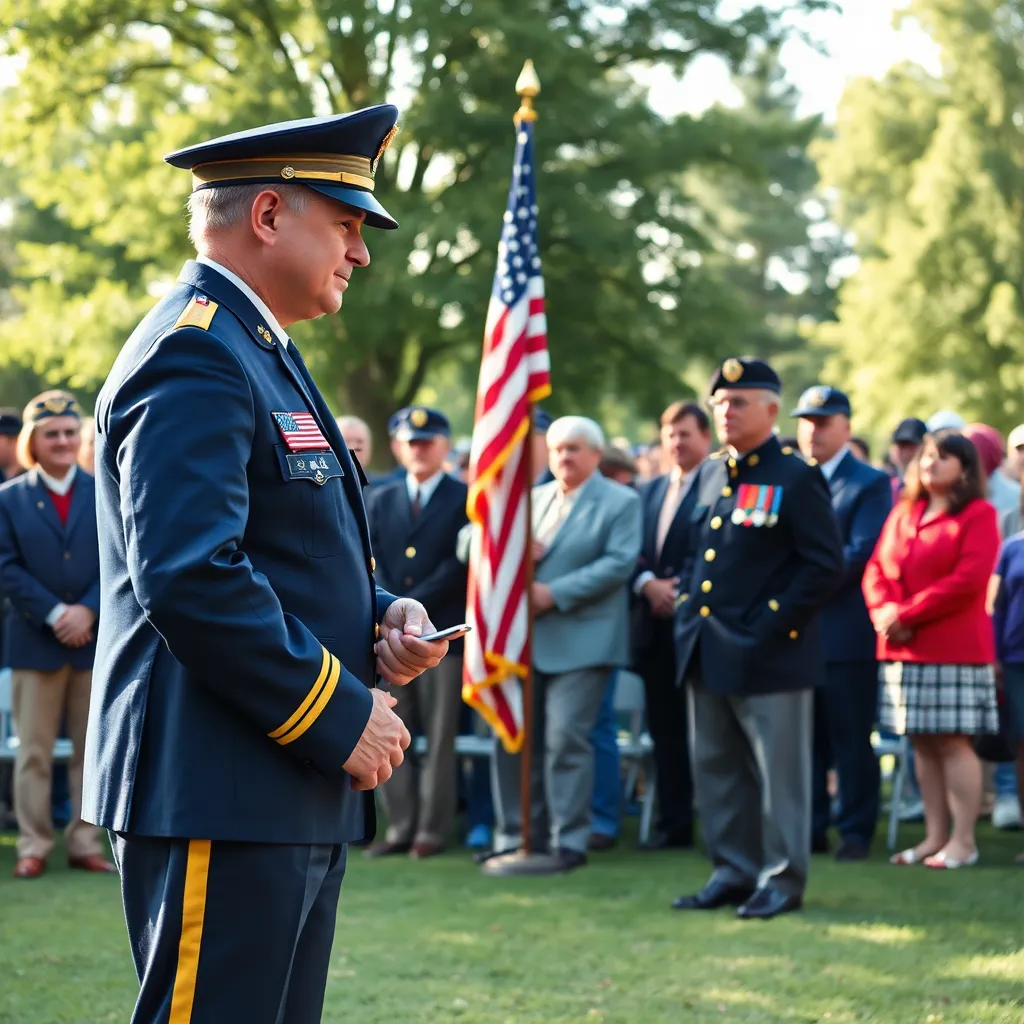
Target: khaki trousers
[
  {"x": 420, "y": 797},
  {"x": 40, "y": 700}
]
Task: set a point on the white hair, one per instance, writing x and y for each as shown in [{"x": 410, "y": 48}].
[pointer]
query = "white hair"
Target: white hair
[
  {"x": 347, "y": 422},
  {"x": 212, "y": 209},
  {"x": 576, "y": 428}
]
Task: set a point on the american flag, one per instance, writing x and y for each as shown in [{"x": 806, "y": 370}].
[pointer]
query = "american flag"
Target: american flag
[
  {"x": 300, "y": 431},
  {"x": 514, "y": 373}
]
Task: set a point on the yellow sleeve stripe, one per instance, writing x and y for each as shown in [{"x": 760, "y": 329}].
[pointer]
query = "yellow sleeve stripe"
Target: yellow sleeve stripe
[
  {"x": 198, "y": 313},
  {"x": 321, "y": 702},
  {"x": 321, "y": 680}
]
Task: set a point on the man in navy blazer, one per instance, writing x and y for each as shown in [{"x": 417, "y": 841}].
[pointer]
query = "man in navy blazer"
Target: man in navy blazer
[
  {"x": 845, "y": 706},
  {"x": 414, "y": 529},
  {"x": 235, "y": 727},
  {"x": 668, "y": 502}
]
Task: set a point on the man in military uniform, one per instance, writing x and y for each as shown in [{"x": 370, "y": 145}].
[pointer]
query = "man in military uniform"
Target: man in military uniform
[
  {"x": 234, "y": 726},
  {"x": 414, "y": 527},
  {"x": 767, "y": 556}
]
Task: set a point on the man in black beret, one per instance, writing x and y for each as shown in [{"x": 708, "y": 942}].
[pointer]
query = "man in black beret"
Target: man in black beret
[{"x": 767, "y": 555}]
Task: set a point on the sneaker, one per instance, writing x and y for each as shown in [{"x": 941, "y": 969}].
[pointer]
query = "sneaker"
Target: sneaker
[
  {"x": 1006, "y": 813},
  {"x": 479, "y": 838}
]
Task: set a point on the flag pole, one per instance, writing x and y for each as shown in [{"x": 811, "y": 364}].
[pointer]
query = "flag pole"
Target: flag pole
[
  {"x": 527, "y": 86},
  {"x": 525, "y": 861}
]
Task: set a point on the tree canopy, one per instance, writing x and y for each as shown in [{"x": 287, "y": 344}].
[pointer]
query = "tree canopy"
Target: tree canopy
[
  {"x": 928, "y": 171},
  {"x": 108, "y": 86}
]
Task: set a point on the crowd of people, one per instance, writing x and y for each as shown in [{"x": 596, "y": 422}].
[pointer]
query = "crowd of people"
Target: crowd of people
[{"x": 898, "y": 591}]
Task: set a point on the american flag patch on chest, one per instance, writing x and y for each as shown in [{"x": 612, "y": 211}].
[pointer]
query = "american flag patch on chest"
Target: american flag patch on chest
[{"x": 300, "y": 431}]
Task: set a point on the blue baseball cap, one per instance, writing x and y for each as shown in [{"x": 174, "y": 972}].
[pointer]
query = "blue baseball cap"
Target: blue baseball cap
[
  {"x": 418, "y": 423},
  {"x": 822, "y": 400},
  {"x": 336, "y": 156}
]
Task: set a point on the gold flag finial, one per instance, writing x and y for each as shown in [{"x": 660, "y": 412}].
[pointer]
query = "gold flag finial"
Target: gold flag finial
[{"x": 527, "y": 85}]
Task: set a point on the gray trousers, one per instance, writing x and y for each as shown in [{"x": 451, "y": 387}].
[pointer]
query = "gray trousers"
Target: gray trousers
[
  {"x": 565, "y": 708},
  {"x": 752, "y": 774},
  {"x": 419, "y": 798}
]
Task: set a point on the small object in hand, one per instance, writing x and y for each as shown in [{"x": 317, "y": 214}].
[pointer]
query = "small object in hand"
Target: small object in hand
[{"x": 451, "y": 633}]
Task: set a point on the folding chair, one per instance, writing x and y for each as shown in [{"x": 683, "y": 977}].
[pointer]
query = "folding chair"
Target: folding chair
[{"x": 635, "y": 746}]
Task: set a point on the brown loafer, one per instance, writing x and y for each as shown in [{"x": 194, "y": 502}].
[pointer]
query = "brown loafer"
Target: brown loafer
[
  {"x": 29, "y": 867},
  {"x": 422, "y": 850},
  {"x": 92, "y": 862},
  {"x": 386, "y": 849}
]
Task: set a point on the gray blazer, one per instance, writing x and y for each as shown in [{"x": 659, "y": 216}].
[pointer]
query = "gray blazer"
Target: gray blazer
[{"x": 588, "y": 566}]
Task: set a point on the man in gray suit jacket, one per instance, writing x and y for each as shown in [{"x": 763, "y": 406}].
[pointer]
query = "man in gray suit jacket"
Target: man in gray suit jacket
[{"x": 587, "y": 534}]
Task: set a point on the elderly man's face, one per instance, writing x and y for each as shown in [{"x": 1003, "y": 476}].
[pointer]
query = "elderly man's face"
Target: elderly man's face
[
  {"x": 744, "y": 417},
  {"x": 572, "y": 462},
  {"x": 424, "y": 458},
  {"x": 314, "y": 254},
  {"x": 821, "y": 437},
  {"x": 357, "y": 437}
]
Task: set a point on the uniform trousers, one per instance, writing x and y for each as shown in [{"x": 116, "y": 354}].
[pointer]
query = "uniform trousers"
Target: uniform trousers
[
  {"x": 224, "y": 931},
  {"x": 752, "y": 771},
  {"x": 668, "y": 724},
  {"x": 421, "y": 796},
  {"x": 844, "y": 716},
  {"x": 565, "y": 708},
  {"x": 40, "y": 701}
]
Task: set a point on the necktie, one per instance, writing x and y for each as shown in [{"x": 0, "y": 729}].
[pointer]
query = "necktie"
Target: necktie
[
  {"x": 417, "y": 504},
  {"x": 551, "y": 521},
  {"x": 669, "y": 507}
]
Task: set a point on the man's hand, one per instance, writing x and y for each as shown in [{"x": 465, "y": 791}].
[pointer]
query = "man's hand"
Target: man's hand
[
  {"x": 661, "y": 595},
  {"x": 74, "y": 627},
  {"x": 401, "y": 657},
  {"x": 541, "y": 597},
  {"x": 537, "y": 550},
  {"x": 382, "y": 746}
]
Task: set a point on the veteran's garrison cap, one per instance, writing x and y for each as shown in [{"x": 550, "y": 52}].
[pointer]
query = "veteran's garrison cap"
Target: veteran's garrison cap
[{"x": 335, "y": 155}]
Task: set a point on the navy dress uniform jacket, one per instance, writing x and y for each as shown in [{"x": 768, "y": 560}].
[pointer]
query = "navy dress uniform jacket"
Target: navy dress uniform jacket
[
  {"x": 861, "y": 500},
  {"x": 235, "y": 653},
  {"x": 669, "y": 562},
  {"x": 416, "y": 557},
  {"x": 43, "y": 563},
  {"x": 768, "y": 556}
]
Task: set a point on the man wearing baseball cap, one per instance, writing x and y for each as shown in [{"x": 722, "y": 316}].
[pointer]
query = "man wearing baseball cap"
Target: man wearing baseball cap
[{"x": 844, "y": 707}]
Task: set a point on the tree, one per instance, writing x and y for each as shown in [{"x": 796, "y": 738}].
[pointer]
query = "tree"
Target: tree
[
  {"x": 772, "y": 238},
  {"x": 929, "y": 171},
  {"x": 110, "y": 85}
]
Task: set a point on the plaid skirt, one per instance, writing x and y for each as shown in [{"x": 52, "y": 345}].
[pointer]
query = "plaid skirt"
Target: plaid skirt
[{"x": 919, "y": 698}]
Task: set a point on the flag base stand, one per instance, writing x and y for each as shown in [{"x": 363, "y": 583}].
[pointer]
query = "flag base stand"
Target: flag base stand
[{"x": 519, "y": 862}]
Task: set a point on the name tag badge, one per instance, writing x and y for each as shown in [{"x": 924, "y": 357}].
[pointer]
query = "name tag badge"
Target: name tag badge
[{"x": 316, "y": 466}]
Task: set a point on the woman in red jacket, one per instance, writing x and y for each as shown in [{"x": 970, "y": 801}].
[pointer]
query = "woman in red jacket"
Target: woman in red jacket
[{"x": 925, "y": 587}]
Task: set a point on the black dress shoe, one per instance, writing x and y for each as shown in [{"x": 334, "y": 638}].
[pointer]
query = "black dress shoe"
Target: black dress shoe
[
  {"x": 714, "y": 895},
  {"x": 599, "y": 842},
  {"x": 569, "y": 859},
  {"x": 768, "y": 902},
  {"x": 666, "y": 841},
  {"x": 852, "y": 849},
  {"x": 820, "y": 844}
]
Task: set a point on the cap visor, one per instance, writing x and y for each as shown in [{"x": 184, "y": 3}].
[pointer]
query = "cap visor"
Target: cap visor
[{"x": 376, "y": 215}]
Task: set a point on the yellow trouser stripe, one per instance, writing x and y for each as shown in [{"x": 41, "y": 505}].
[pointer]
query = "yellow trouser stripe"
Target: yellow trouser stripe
[
  {"x": 193, "y": 909},
  {"x": 307, "y": 702},
  {"x": 321, "y": 702}
]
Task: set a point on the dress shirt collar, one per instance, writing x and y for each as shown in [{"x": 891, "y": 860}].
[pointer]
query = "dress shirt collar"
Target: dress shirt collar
[
  {"x": 264, "y": 310},
  {"x": 829, "y": 468},
  {"x": 59, "y": 487},
  {"x": 426, "y": 489}
]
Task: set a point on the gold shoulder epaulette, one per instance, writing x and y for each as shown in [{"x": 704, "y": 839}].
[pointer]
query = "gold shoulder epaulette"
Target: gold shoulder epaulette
[
  {"x": 719, "y": 454},
  {"x": 198, "y": 313}
]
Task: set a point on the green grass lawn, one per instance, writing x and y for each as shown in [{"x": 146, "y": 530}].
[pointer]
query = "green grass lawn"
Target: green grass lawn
[{"x": 437, "y": 941}]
